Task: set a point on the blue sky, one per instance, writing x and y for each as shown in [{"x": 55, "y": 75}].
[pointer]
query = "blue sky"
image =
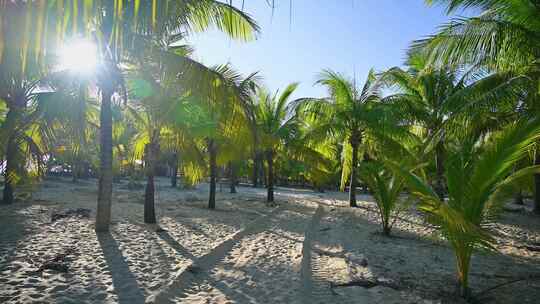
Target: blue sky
[{"x": 348, "y": 36}]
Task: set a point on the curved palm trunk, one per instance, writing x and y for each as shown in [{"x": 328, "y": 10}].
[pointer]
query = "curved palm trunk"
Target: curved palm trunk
[
  {"x": 152, "y": 150},
  {"x": 213, "y": 173},
  {"x": 270, "y": 180},
  {"x": 352, "y": 186},
  {"x": 232, "y": 177},
  {"x": 103, "y": 214},
  {"x": 174, "y": 175}
]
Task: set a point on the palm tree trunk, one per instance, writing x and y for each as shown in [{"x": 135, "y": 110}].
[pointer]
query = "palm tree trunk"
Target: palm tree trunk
[
  {"x": 518, "y": 199},
  {"x": 537, "y": 184},
  {"x": 262, "y": 170},
  {"x": 439, "y": 164},
  {"x": 12, "y": 117},
  {"x": 232, "y": 177},
  {"x": 103, "y": 214},
  {"x": 76, "y": 169},
  {"x": 174, "y": 175},
  {"x": 9, "y": 173},
  {"x": 149, "y": 210},
  {"x": 463, "y": 260},
  {"x": 151, "y": 150},
  {"x": 255, "y": 169},
  {"x": 352, "y": 186},
  {"x": 213, "y": 173},
  {"x": 74, "y": 173},
  {"x": 270, "y": 180}
]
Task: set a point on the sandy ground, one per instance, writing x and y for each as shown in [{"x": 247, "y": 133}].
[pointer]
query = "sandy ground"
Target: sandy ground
[{"x": 244, "y": 252}]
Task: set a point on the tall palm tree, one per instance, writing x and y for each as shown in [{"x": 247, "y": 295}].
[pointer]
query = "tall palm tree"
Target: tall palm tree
[
  {"x": 116, "y": 23},
  {"x": 155, "y": 86},
  {"x": 434, "y": 98},
  {"x": 277, "y": 122},
  {"x": 22, "y": 83},
  {"x": 480, "y": 174},
  {"x": 250, "y": 113},
  {"x": 217, "y": 116},
  {"x": 349, "y": 114},
  {"x": 227, "y": 112},
  {"x": 504, "y": 37},
  {"x": 73, "y": 114}
]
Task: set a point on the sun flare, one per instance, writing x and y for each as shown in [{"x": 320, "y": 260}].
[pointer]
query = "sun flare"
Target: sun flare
[{"x": 79, "y": 56}]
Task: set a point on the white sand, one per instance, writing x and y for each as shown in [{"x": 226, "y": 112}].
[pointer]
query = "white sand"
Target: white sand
[{"x": 243, "y": 252}]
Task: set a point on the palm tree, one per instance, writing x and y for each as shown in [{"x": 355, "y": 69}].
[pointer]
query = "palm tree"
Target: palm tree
[
  {"x": 24, "y": 135},
  {"x": 73, "y": 115},
  {"x": 348, "y": 114},
  {"x": 250, "y": 109},
  {"x": 276, "y": 122},
  {"x": 504, "y": 37},
  {"x": 22, "y": 78},
  {"x": 156, "y": 89},
  {"x": 480, "y": 174},
  {"x": 386, "y": 188},
  {"x": 435, "y": 98},
  {"x": 145, "y": 114},
  {"x": 191, "y": 14},
  {"x": 116, "y": 23},
  {"x": 217, "y": 116}
]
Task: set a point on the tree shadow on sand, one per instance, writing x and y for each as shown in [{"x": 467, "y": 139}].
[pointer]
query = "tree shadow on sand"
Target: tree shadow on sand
[
  {"x": 125, "y": 284},
  {"x": 165, "y": 236}
]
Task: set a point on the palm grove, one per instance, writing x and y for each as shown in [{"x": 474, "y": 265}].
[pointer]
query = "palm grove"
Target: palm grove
[{"x": 457, "y": 133}]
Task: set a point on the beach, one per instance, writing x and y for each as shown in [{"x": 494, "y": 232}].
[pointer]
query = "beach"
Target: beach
[{"x": 308, "y": 248}]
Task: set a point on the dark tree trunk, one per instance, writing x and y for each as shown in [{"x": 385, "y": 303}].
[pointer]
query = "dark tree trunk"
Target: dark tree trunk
[
  {"x": 9, "y": 173},
  {"x": 174, "y": 175},
  {"x": 151, "y": 153},
  {"x": 86, "y": 170},
  {"x": 149, "y": 210},
  {"x": 537, "y": 184},
  {"x": 213, "y": 173},
  {"x": 255, "y": 176},
  {"x": 10, "y": 124},
  {"x": 262, "y": 170},
  {"x": 352, "y": 185},
  {"x": 232, "y": 177},
  {"x": 518, "y": 199},
  {"x": 103, "y": 214},
  {"x": 439, "y": 164},
  {"x": 270, "y": 179},
  {"x": 75, "y": 171}
]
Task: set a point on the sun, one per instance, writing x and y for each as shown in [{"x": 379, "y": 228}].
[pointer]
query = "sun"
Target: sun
[{"x": 79, "y": 56}]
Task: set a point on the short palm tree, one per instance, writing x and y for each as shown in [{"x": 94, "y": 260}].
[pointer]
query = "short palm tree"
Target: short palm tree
[
  {"x": 276, "y": 122},
  {"x": 437, "y": 98},
  {"x": 505, "y": 36},
  {"x": 386, "y": 187},
  {"x": 479, "y": 175}
]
